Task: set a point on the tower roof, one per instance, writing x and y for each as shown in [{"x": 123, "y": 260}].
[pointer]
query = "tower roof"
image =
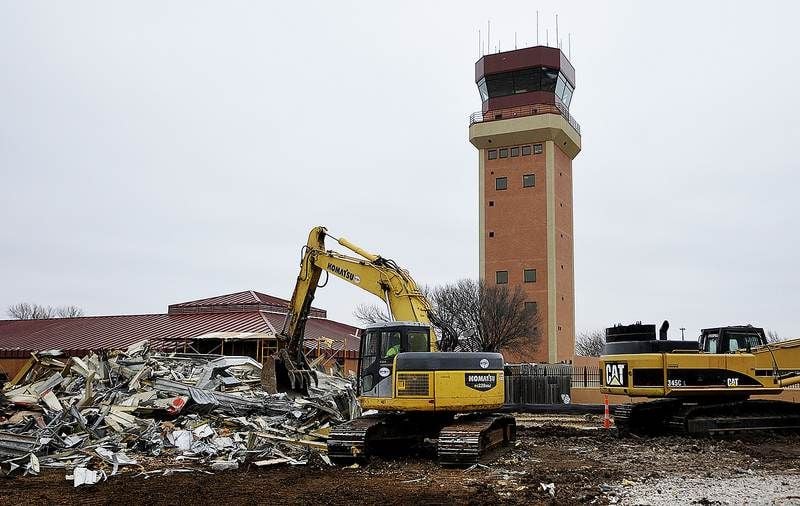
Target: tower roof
[{"x": 525, "y": 77}]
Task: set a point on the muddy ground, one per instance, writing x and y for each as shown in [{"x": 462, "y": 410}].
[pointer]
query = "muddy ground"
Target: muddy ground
[{"x": 585, "y": 465}]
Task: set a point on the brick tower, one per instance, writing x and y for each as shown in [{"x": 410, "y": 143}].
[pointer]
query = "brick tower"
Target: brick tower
[{"x": 526, "y": 142}]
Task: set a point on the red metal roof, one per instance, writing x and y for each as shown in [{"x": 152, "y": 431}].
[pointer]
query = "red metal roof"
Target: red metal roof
[
  {"x": 248, "y": 300},
  {"x": 79, "y": 335}
]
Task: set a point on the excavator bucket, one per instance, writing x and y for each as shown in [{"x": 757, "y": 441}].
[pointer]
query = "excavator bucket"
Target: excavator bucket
[{"x": 281, "y": 374}]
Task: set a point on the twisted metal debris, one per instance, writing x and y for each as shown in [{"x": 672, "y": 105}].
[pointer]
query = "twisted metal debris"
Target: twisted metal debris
[{"x": 140, "y": 412}]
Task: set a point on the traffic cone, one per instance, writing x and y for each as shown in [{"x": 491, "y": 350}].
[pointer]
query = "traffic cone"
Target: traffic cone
[{"x": 606, "y": 417}]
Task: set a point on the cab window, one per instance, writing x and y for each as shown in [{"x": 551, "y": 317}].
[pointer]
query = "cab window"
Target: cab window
[
  {"x": 371, "y": 343},
  {"x": 711, "y": 344},
  {"x": 743, "y": 342},
  {"x": 390, "y": 342},
  {"x": 417, "y": 341}
]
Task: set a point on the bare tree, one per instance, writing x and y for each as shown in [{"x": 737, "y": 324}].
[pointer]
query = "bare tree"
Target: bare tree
[
  {"x": 590, "y": 344},
  {"x": 484, "y": 317},
  {"x": 370, "y": 313},
  {"x": 27, "y": 311},
  {"x": 69, "y": 311},
  {"x": 473, "y": 315},
  {"x": 773, "y": 337}
]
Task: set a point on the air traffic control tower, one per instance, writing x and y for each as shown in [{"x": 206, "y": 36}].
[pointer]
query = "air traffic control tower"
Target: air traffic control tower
[{"x": 526, "y": 142}]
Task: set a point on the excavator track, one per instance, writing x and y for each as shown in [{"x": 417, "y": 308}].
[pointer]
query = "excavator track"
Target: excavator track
[
  {"x": 672, "y": 416},
  {"x": 462, "y": 442},
  {"x": 644, "y": 417},
  {"x": 472, "y": 437},
  {"x": 347, "y": 443},
  {"x": 379, "y": 434},
  {"x": 754, "y": 415}
]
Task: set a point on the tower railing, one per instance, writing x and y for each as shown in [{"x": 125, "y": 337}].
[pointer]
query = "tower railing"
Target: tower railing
[{"x": 525, "y": 110}]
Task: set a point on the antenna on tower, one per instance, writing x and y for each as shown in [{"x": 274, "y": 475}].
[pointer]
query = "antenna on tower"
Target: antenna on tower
[
  {"x": 488, "y": 36},
  {"x": 480, "y": 43},
  {"x": 547, "y": 33},
  {"x": 537, "y": 28},
  {"x": 569, "y": 45},
  {"x": 515, "y": 40},
  {"x": 558, "y": 44}
]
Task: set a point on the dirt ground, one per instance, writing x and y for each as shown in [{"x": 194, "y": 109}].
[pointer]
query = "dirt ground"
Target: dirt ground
[{"x": 585, "y": 465}]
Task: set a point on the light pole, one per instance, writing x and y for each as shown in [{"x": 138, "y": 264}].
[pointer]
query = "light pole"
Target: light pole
[{"x": 682, "y": 329}]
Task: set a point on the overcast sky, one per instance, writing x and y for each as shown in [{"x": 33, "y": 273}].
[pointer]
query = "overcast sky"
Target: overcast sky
[{"x": 156, "y": 152}]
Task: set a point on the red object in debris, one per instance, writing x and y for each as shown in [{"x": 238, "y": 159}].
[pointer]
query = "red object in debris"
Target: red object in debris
[
  {"x": 176, "y": 405},
  {"x": 606, "y": 417}
]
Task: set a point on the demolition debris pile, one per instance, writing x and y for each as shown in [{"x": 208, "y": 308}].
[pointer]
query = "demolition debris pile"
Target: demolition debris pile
[{"x": 146, "y": 413}]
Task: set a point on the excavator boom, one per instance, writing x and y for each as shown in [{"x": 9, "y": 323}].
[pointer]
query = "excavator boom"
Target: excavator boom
[{"x": 288, "y": 369}]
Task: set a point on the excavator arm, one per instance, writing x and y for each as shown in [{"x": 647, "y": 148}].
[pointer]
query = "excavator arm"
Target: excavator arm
[{"x": 288, "y": 369}]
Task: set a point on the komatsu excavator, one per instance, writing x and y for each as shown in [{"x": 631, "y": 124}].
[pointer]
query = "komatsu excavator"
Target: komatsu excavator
[
  {"x": 416, "y": 389},
  {"x": 700, "y": 387}
]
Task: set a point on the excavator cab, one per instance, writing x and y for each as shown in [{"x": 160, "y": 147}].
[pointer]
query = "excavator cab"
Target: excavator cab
[
  {"x": 379, "y": 346},
  {"x": 731, "y": 339}
]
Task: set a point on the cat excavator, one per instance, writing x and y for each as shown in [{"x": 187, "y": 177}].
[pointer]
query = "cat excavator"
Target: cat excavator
[
  {"x": 418, "y": 391},
  {"x": 703, "y": 386}
]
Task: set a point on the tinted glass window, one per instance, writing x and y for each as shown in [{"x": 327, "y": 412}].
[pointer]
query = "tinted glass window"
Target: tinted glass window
[
  {"x": 515, "y": 151},
  {"x": 526, "y": 80},
  {"x": 371, "y": 343},
  {"x": 482, "y": 90},
  {"x": 390, "y": 340},
  {"x": 549, "y": 77},
  {"x": 742, "y": 341},
  {"x": 531, "y": 308},
  {"x": 500, "y": 85},
  {"x": 417, "y": 341},
  {"x": 501, "y": 277},
  {"x": 528, "y": 180},
  {"x": 526, "y": 150},
  {"x": 567, "y": 97},
  {"x": 520, "y": 81},
  {"x": 560, "y": 86},
  {"x": 529, "y": 275},
  {"x": 537, "y": 149},
  {"x": 501, "y": 183},
  {"x": 492, "y": 154},
  {"x": 503, "y": 152}
]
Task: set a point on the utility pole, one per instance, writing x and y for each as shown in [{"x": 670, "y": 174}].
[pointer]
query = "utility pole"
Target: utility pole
[{"x": 682, "y": 330}]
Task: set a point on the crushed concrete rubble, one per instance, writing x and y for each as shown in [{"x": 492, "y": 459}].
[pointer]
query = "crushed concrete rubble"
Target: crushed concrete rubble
[{"x": 142, "y": 412}]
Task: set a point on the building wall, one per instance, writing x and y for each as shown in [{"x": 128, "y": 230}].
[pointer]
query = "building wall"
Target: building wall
[
  {"x": 531, "y": 227},
  {"x": 514, "y": 230},
  {"x": 564, "y": 255}
]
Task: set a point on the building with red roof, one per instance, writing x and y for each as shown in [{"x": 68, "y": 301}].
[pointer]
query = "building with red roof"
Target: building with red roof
[{"x": 241, "y": 323}]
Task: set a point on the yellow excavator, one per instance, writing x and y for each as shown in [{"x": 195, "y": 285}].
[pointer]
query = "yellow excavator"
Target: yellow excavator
[
  {"x": 703, "y": 386},
  {"x": 416, "y": 389}
]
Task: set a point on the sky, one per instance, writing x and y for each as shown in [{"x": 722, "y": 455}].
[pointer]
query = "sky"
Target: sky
[{"x": 158, "y": 152}]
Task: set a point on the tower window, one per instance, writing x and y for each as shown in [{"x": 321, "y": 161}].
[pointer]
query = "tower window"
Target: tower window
[
  {"x": 492, "y": 154},
  {"x": 501, "y": 183},
  {"x": 529, "y": 275},
  {"x": 526, "y": 150},
  {"x": 515, "y": 151},
  {"x": 491, "y": 234},
  {"x": 501, "y": 277},
  {"x": 528, "y": 180},
  {"x": 503, "y": 152},
  {"x": 531, "y": 308},
  {"x": 491, "y": 203},
  {"x": 537, "y": 149}
]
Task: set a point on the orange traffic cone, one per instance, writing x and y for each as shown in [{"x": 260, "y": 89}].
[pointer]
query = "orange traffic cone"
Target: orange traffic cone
[{"x": 606, "y": 417}]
